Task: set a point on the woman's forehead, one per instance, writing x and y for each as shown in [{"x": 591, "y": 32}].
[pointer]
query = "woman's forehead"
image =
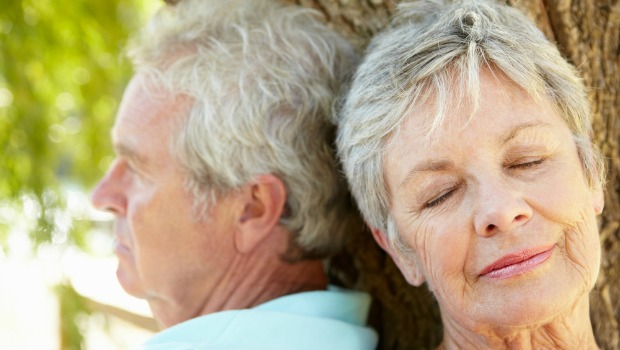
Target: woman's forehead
[
  {"x": 505, "y": 111},
  {"x": 458, "y": 109}
]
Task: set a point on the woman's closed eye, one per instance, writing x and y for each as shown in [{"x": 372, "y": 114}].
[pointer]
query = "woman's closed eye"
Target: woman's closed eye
[
  {"x": 527, "y": 164},
  {"x": 441, "y": 197}
]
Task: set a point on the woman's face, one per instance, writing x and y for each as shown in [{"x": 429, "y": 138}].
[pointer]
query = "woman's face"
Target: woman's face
[{"x": 497, "y": 210}]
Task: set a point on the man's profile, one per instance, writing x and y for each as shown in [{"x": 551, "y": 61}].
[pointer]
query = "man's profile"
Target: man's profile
[{"x": 224, "y": 187}]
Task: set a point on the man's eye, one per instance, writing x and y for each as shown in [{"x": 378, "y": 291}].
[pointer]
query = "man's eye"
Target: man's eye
[
  {"x": 129, "y": 168},
  {"x": 440, "y": 199}
]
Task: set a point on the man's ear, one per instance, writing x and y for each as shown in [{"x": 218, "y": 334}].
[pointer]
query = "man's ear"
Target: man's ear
[
  {"x": 409, "y": 266},
  {"x": 263, "y": 201}
]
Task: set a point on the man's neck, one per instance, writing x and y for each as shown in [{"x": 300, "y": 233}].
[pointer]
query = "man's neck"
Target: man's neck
[
  {"x": 251, "y": 279},
  {"x": 263, "y": 281}
]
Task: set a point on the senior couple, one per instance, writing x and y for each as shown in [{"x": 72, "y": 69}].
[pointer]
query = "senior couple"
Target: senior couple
[{"x": 464, "y": 137}]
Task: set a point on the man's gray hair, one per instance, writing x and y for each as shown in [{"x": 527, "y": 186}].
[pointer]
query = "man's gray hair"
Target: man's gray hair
[
  {"x": 262, "y": 77},
  {"x": 434, "y": 52}
]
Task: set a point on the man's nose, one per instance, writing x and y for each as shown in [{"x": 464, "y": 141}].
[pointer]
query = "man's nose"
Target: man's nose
[
  {"x": 108, "y": 195},
  {"x": 500, "y": 208}
]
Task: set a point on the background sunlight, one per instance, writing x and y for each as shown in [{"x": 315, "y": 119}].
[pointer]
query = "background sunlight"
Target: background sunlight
[{"x": 62, "y": 74}]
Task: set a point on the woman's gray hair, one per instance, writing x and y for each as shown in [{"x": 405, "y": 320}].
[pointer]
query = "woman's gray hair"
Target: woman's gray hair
[
  {"x": 434, "y": 51},
  {"x": 262, "y": 77}
]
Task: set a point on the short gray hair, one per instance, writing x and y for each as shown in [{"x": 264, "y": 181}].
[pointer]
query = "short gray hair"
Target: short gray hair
[
  {"x": 262, "y": 77},
  {"x": 434, "y": 49}
]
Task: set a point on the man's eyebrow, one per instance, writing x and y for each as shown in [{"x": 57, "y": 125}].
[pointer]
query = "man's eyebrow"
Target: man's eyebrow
[{"x": 127, "y": 152}]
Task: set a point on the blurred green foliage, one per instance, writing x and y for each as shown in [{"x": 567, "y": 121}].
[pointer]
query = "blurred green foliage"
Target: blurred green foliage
[
  {"x": 62, "y": 74},
  {"x": 61, "y": 78}
]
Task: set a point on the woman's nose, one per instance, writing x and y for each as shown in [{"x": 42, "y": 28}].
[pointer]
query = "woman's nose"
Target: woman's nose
[
  {"x": 108, "y": 194},
  {"x": 500, "y": 209}
]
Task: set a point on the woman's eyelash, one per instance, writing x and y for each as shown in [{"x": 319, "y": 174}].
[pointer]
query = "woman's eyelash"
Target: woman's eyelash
[
  {"x": 436, "y": 201},
  {"x": 448, "y": 193},
  {"x": 440, "y": 199},
  {"x": 526, "y": 165}
]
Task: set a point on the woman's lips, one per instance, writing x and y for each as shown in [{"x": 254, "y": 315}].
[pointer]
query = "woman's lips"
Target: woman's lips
[{"x": 517, "y": 264}]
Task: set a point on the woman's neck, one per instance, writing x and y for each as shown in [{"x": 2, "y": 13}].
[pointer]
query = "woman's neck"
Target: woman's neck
[{"x": 569, "y": 331}]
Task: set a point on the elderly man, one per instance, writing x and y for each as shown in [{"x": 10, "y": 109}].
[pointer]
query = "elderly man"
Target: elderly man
[{"x": 224, "y": 187}]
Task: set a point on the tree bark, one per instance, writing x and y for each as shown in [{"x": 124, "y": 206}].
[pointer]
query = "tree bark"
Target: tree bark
[{"x": 588, "y": 35}]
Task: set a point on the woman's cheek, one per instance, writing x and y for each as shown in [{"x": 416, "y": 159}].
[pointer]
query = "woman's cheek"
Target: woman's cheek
[
  {"x": 582, "y": 248},
  {"x": 443, "y": 250}
]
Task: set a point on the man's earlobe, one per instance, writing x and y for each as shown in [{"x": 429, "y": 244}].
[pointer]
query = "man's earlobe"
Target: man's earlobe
[
  {"x": 262, "y": 203},
  {"x": 408, "y": 264}
]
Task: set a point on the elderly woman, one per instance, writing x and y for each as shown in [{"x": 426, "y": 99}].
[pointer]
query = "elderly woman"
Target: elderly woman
[{"x": 465, "y": 140}]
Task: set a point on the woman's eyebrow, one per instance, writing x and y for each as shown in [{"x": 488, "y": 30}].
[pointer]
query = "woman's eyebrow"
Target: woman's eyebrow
[
  {"x": 426, "y": 166},
  {"x": 444, "y": 164},
  {"x": 518, "y": 130}
]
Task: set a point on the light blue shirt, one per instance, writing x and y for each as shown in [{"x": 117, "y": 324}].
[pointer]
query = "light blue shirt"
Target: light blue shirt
[{"x": 318, "y": 320}]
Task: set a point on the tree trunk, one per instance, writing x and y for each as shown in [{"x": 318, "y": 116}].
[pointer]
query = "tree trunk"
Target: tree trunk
[{"x": 588, "y": 35}]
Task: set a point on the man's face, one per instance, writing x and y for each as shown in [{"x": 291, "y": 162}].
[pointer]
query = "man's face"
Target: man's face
[{"x": 167, "y": 254}]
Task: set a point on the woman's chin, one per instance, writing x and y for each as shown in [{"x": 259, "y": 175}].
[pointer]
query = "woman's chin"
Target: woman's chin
[
  {"x": 525, "y": 302},
  {"x": 529, "y": 307}
]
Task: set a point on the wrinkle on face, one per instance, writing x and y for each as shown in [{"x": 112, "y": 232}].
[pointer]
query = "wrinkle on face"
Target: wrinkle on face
[
  {"x": 486, "y": 155},
  {"x": 170, "y": 249},
  {"x": 578, "y": 251}
]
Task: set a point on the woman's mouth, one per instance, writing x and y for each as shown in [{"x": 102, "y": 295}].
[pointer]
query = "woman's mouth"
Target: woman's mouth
[{"x": 516, "y": 264}]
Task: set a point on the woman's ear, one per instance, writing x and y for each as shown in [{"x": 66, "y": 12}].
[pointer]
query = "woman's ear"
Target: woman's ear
[
  {"x": 408, "y": 265},
  {"x": 262, "y": 203},
  {"x": 598, "y": 199}
]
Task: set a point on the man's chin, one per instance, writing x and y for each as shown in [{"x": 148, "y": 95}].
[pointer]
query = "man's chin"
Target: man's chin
[{"x": 130, "y": 282}]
